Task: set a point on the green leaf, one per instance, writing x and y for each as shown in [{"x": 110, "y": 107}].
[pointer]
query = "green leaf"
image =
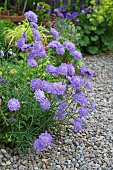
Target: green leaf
[
  {"x": 93, "y": 49},
  {"x": 100, "y": 30},
  {"x": 84, "y": 41},
  {"x": 94, "y": 38}
]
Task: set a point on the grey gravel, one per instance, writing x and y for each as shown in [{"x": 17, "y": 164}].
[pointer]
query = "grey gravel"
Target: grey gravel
[{"x": 91, "y": 150}]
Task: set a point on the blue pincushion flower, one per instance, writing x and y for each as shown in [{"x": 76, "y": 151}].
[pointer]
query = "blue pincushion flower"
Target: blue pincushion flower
[
  {"x": 45, "y": 104},
  {"x": 13, "y": 104},
  {"x": 60, "y": 15},
  {"x": 36, "y": 84},
  {"x": 52, "y": 70},
  {"x": 76, "y": 82},
  {"x": 78, "y": 124},
  {"x": 32, "y": 62},
  {"x": 58, "y": 88},
  {"x": 36, "y": 34},
  {"x": 82, "y": 111},
  {"x": 1, "y": 53},
  {"x": 54, "y": 32},
  {"x": 33, "y": 24},
  {"x": 76, "y": 54},
  {"x": 45, "y": 138},
  {"x": 20, "y": 42},
  {"x": 63, "y": 69},
  {"x": 69, "y": 46},
  {"x": 71, "y": 70},
  {"x": 80, "y": 98},
  {"x": 61, "y": 110},
  {"x": 38, "y": 146},
  {"x": 46, "y": 86},
  {"x": 31, "y": 16},
  {"x": 39, "y": 95},
  {"x": 88, "y": 84},
  {"x": 86, "y": 72}
]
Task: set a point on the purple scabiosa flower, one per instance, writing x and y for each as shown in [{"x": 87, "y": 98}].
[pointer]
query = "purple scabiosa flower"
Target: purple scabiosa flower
[
  {"x": 80, "y": 98},
  {"x": 69, "y": 46},
  {"x": 32, "y": 62},
  {"x": 58, "y": 88},
  {"x": 76, "y": 54},
  {"x": 74, "y": 14},
  {"x": 77, "y": 20},
  {"x": 33, "y": 24},
  {"x": 62, "y": 9},
  {"x": 26, "y": 47},
  {"x": 52, "y": 70},
  {"x": 13, "y": 104},
  {"x": 40, "y": 8},
  {"x": 82, "y": 111},
  {"x": 38, "y": 146},
  {"x": 86, "y": 72},
  {"x": 78, "y": 124},
  {"x": 54, "y": 32},
  {"x": 36, "y": 84},
  {"x": 55, "y": 10},
  {"x": 45, "y": 138},
  {"x": 31, "y": 16},
  {"x": 48, "y": 11},
  {"x": 60, "y": 15},
  {"x": 63, "y": 69},
  {"x": 68, "y": 15},
  {"x": 92, "y": 105},
  {"x": 45, "y": 104},
  {"x": 85, "y": 10},
  {"x": 46, "y": 86},
  {"x": 10, "y": 120},
  {"x": 54, "y": 15},
  {"x": 1, "y": 53},
  {"x": 36, "y": 35},
  {"x": 38, "y": 45},
  {"x": 76, "y": 82},
  {"x": 71, "y": 70},
  {"x": 39, "y": 95},
  {"x": 20, "y": 42},
  {"x": 60, "y": 50},
  {"x": 88, "y": 85}
]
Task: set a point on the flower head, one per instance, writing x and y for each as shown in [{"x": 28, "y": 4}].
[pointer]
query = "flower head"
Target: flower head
[
  {"x": 31, "y": 16},
  {"x": 13, "y": 104},
  {"x": 76, "y": 54},
  {"x": 39, "y": 95},
  {"x": 54, "y": 32},
  {"x": 82, "y": 111},
  {"x": 52, "y": 70},
  {"x": 36, "y": 84},
  {"x": 33, "y": 24},
  {"x": 38, "y": 146},
  {"x": 32, "y": 62},
  {"x": 76, "y": 82},
  {"x": 20, "y": 42},
  {"x": 60, "y": 15},
  {"x": 86, "y": 72},
  {"x": 40, "y": 8},
  {"x": 85, "y": 10},
  {"x": 1, "y": 53},
  {"x": 45, "y": 138},
  {"x": 58, "y": 88},
  {"x": 88, "y": 84},
  {"x": 10, "y": 120},
  {"x": 63, "y": 69},
  {"x": 69, "y": 46},
  {"x": 45, "y": 104},
  {"x": 80, "y": 98},
  {"x": 78, "y": 124},
  {"x": 36, "y": 35}
]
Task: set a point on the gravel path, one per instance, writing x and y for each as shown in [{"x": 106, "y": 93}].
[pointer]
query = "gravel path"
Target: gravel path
[{"x": 92, "y": 150}]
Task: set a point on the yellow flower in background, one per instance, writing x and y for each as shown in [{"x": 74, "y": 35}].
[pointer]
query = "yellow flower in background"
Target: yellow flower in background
[
  {"x": 13, "y": 71},
  {"x": 71, "y": 23}
]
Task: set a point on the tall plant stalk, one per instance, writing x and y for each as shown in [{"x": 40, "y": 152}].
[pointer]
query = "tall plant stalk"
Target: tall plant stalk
[
  {"x": 5, "y": 5},
  {"x": 24, "y": 6}
]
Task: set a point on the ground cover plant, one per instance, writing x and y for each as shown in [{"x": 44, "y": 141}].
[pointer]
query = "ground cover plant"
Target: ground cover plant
[{"x": 42, "y": 90}]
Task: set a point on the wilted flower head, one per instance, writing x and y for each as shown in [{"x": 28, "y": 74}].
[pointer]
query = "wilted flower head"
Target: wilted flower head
[
  {"x": 80, "y": 98},
  {"x": 54, "y": 32},
  {"x": 13, "y": 104},
  {"x": 1, "y": 53},
  {"x": 86, "y": 72},
  {"x": 10, "y": 120},
  {"x": 31, "y": 16},
  {"x": 45, "y": 138}
]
